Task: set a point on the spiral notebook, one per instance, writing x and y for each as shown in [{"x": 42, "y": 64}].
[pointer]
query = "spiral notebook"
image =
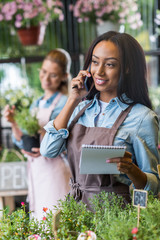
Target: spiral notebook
[{"x": 93, "y": 159}]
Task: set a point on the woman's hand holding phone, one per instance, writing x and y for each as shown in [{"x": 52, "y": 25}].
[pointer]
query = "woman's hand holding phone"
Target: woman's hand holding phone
[{"x": 79, "y": 84}]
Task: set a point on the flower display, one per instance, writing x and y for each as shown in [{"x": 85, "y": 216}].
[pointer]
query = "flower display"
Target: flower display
[
  {"x": 109, "y": 221},
  {"x": 20, "y": 13},
  {"x": 98, "y": 11},
  {"x": 20, "y": 97}
]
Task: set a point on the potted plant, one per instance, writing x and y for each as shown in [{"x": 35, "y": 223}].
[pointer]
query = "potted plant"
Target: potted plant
[
  {"x": 30, "y": 17},
  {"x": 22, "y": 99},
  {"x": 122, "y": 12},
  {"x": 28, "y": 122}
]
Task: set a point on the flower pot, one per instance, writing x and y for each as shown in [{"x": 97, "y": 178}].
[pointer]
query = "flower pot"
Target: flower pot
[
  {"x": 30, "y": 142},
  {"x": 107, "y": 26},
  {"x": 29, "y": 36}
]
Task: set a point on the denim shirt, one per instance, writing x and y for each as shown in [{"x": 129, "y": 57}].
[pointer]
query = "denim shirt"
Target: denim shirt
[
  {"x": 54, "y": 113},
  {"x": 139, "y": 133}
]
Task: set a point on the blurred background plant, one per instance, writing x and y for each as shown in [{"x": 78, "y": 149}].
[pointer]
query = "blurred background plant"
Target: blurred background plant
[
  {"x": 154, "y": 93},
  {"x": 11, "y": 155},
  {"x": 124, "y": 12},
  {"x": 27, "y": 121},
  {"x": 20, "y": 13},
  {"x": 21, "y": 97}
]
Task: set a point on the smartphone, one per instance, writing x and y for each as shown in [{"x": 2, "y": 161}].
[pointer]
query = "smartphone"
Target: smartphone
[{"x": 87, "y": 80}]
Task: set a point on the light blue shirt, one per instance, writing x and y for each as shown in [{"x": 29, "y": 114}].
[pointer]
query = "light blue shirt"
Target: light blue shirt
[
  {"x": 139, "y": 133},
  {"x": 53, "y": 115}
]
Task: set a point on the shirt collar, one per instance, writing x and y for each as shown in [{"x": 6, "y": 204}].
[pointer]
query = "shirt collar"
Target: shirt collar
[
  {"x": 50, "y": 99},
  {"x": 122, "y": 105}
]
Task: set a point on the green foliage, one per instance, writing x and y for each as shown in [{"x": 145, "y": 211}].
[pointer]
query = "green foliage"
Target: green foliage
[
  {"x": 27, "y": 121},
  {"x": 19, "y": 225},
  {"x": 110, "y": 220},
  {"x": 22, "y": 98},
  {"x": 11, "y": 155}
]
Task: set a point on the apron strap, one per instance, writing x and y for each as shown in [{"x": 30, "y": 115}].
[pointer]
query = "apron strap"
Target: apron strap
[
  {"x": 78, "y": 115},
  {"x": 117, "y": 123},
  {"x": 55, "y": 101}
]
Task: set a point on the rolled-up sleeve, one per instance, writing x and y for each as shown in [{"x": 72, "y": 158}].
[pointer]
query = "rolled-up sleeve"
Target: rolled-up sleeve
[
  {"x": 146, "y": 151},
  {"x": 53, "y": 142}
]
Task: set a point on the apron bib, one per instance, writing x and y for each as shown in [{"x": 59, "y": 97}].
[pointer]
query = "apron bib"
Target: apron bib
[
  {"x": 48, "y": 178},
  {"x": 84, "y": 186}
]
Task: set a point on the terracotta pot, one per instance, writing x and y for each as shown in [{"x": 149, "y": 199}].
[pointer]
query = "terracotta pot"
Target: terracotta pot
[
  {"x": 29, "y": 36},
  {"x": 30, "y": 141}
]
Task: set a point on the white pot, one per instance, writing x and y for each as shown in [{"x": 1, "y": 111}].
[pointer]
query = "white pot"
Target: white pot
[{"x": 107, "y": 26}]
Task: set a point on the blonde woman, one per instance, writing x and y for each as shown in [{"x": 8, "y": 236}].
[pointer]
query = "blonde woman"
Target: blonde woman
[{"x": 48, "y": 178}]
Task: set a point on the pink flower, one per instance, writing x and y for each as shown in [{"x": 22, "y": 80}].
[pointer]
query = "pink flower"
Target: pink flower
[
  {"x": 134, "y": 230},
  {"x": 104, "y": 10},
  {"x": 61, "y": 17},
  {"x": 22, "y": 203},
  {"x": 44, "y": 218},
  {"x": 34, "y": 10}
]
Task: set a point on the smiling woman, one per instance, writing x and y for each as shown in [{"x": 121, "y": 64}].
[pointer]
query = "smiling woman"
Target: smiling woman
[
  {"x": 105, "y": 71},
  {"x": 116, "y": 111},
  {"x": 48, "y": 178}
]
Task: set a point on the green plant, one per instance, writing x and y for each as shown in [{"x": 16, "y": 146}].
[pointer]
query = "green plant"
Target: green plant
[
  {"x": 19, "y": 13},
  {"x": 27, "y": 121},
  {"x": 11, "y": 155},
  {"x": 19, "y": 225},
  {"x": 22, "y": 98},
  {"x": 110, "y": 220}
]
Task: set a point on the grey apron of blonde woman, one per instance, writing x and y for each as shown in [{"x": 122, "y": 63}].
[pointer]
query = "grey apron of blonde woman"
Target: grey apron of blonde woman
[{"x": 84, "y": 186}]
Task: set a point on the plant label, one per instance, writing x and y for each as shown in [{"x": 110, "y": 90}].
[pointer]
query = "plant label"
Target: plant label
[{"x": 140, "y": 198}]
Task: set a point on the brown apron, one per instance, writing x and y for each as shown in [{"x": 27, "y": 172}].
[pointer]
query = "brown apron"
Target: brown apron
[{"x": 84, "y": 186}]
